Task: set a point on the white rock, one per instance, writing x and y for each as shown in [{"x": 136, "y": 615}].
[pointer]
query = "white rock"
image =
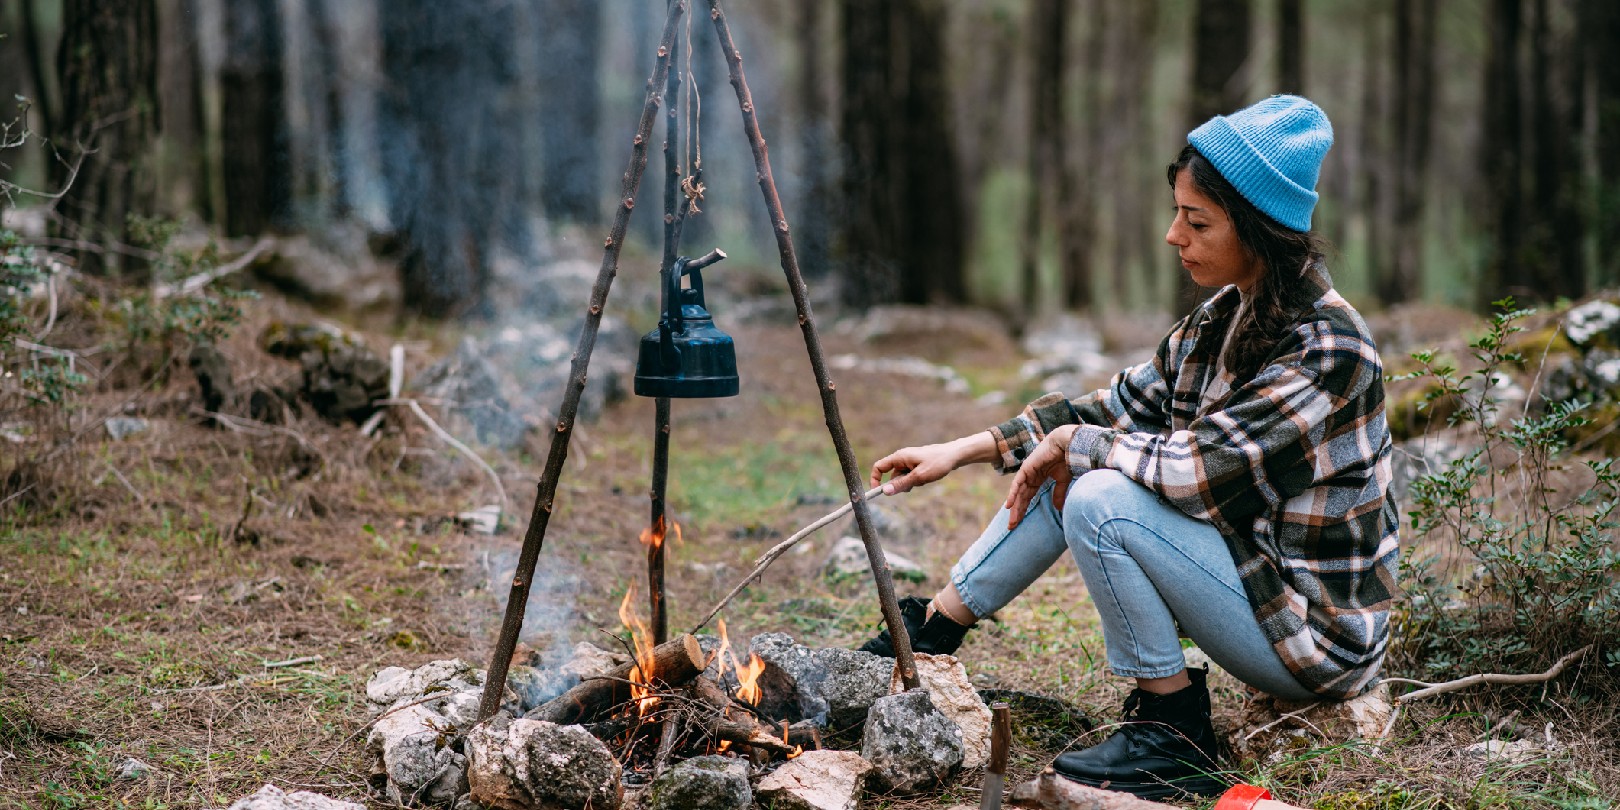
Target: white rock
[
  {"x": 816, "y": 780},
  {"x": 848, "y": 558},
  {"x": 132, "y": 768},
  {"x": 271, "y": 797},
  {"x": 394, "y": 684},
  {"x": 590, "y": 661},
  {"x": 952, "y": 693},
  {"x": 1516, "y": 752},
  {"x": 411, "y": 748}
]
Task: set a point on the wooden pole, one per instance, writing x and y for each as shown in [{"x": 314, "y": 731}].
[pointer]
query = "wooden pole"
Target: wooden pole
[
  {"x": 517, "y": 599},
  {"x": 853, "y": 482},
  {"x": 657, "y": 618}
]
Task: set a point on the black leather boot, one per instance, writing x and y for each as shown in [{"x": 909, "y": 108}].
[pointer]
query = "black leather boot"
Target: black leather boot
[
  {"x": 1165, "y": 748},
  {"x": 937, "y": 634}
]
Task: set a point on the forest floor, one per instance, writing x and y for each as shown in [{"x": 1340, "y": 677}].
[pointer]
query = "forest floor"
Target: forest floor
[{"x": 141, "y": 609}]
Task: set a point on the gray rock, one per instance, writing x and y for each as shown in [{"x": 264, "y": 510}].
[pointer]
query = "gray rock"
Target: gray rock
[
  {"x": 333, "y": 269},
  {"x": 854, "y": 681},
  {"x": 816, "y": 780},
  {"x": 848, "y": 559},
  {"x": 341, "y": 376},
  {"x": 831, "y": 686},
  {"x": 911, "y": 745},
  {"x": 1593, "y": 323},
  {"x": 271, "y": 797},
  {"x": 954, "y": 695},
  {"x": 702, "y": 783},
  {"x": 132, "y": 768},
  {"x": 213, "y": 373},
  {"x": 533, "y": 687},
  {"x": 535, "y": 765},
  {"x": 122, "y": 427}
]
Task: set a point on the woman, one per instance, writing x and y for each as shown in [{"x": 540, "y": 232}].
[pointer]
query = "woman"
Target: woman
[{"x": 1233, "y": 488}]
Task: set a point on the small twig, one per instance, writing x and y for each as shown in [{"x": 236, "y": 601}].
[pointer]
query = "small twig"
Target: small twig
[
  {"x": 293, "y": 662},
  {"x": 194, "y": 283},
  {"x": 666, "y": 744},
  {"x": 125, "y": 481},
  {"x": 1432, "y": 689},
  {"x": 396, "y": 383},
  {"x": 776, "y": 551},
  {"x": 1289, "y": 716},
  {"x": 253, "y": 427},
  {"x": 453, "y": 442}
]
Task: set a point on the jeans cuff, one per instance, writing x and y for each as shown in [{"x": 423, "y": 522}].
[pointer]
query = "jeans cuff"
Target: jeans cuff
[{"x": 1141, "y": 672}]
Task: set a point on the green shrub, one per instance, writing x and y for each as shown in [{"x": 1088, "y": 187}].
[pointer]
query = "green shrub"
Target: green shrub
[{"x": 1536, "y": 535}]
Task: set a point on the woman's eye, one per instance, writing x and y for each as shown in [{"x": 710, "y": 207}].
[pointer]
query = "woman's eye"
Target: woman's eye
[{"x": 1198, "y": 226}]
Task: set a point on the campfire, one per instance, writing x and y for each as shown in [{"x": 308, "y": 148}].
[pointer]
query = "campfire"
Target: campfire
[{"x": 673, "y": 701}]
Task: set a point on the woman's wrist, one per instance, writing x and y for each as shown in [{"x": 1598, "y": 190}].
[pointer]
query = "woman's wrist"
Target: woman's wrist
[{"x": 978, "y": 448}]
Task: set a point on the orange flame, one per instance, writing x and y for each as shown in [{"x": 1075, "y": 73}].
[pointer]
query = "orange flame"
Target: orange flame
[
  {"x": 748, "y": 679},
  {"x": 653, "y": 537},
  {"x": 641, "y": 676}
]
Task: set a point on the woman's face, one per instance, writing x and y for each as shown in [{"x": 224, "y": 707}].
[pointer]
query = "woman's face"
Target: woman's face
[{"x": 1207, "y": 241}]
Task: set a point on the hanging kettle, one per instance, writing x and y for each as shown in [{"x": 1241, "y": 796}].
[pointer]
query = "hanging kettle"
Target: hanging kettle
[{"x": 686, "y": 357}]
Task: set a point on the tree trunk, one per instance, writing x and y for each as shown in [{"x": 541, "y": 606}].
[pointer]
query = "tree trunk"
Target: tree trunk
[
  {"x": 43, "y": 97},
  {"x": 1135, "y": 243},
  {"x": 1553, "y": 236},
  {"x": 107, "y": 62},
  {"x": 1290, "y": 46},
  {"x": 1078, "y": 168},
  {"x": 816, "y": 201},
  {"x": 870, "y": 226},
  {"x": 1047, "y": 75},
  {"x": 1220, "y": 46},
  {"x": 1500, "y": 153},
  {"x": 256, "y": 169},
  {"x": 1601, "y": 26},
  {"x": 930, "y": 193},
  {"x": 571, "y": 107},
  {"x": 1413, "y": 87}
]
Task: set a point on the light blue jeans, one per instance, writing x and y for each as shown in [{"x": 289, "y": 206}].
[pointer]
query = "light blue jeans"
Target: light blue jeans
[{"x": 1147, "y": 565}]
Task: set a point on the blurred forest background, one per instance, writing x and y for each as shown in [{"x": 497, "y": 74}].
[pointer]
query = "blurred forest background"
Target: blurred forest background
[{"x": 1005, "y": 153}]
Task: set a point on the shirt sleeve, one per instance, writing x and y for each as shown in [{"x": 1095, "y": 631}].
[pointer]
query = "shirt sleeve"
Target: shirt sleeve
[
  {"x": 1137, "y": 399},
  {"x": 1269, "y": 442}
]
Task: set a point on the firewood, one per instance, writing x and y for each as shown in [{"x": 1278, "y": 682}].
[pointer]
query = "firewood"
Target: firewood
[
  {"x": 675, "y": 662},
  {"x": 1053, "y": 792}
]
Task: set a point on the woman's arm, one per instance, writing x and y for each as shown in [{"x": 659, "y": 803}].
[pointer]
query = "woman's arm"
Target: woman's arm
[{"x": 911, "y": 467}]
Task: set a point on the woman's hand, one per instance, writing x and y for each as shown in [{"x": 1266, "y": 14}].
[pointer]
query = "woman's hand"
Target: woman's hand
[
  {"x": 1050, "y": 460},
  {"x": 911, "y": 467}
]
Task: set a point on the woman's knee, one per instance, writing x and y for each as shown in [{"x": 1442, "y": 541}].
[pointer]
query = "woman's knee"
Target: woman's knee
[{"x": 1101, "y": 495}]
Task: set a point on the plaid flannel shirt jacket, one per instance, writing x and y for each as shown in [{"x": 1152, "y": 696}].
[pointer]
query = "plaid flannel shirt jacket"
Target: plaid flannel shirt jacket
[{"x": 1292, "y": 466}]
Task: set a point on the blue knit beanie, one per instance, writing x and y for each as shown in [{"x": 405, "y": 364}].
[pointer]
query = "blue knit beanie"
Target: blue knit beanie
[{"x": 1271, "y": 153}]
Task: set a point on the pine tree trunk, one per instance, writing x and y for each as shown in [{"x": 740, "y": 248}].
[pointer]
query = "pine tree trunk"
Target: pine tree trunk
[
  {"x": 1220, "y": 46},
  {"x": 1413, "y": 87},
  {"x": 1047, "y": 32},
  {"x": 107, "y": 62},
  {"x": 1500, "y": 155},
  {"x": 934, "y": 218},
  {"x": 870, "y": 225},
  {"x": 1601, "y": 27},
  {"x": 816, "y": 139},
  {"x": 1290, "y": 46},
  {"x": 571, "y": 107},
  {"x": 255, "y": 169},
  {"x": 1076, "y": 159}
]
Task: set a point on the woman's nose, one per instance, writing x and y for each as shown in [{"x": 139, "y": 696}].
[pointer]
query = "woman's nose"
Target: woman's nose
[{"x": 1173, "y": 235}]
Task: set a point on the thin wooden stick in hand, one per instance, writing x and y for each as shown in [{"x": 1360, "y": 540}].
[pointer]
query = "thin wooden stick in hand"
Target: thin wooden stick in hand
[{"x": 777, "y": 550}]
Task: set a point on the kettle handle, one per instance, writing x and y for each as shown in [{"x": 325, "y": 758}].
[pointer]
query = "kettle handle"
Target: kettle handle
[{"x": 672, "y": 321}]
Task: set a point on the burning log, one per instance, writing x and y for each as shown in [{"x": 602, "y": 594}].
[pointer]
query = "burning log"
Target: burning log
[{"x": 675, "y": 662}]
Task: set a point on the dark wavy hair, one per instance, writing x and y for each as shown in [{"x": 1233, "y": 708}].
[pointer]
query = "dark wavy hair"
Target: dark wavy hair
[{"x": 1279, "y": 297}]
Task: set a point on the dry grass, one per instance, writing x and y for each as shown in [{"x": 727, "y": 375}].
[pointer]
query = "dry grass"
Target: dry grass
[{"x": 188, "y": 556}]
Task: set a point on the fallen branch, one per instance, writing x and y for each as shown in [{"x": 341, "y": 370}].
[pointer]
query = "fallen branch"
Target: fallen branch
[
  {"x": 1054, "y": 792},
  {"x": 1289, "y": 716},
  {"x": 293, "y": 662},
  {"x": 1432, "y": 689},
  {"x": 778, "y": 550},
  {"x": 444, "y": 435},
  {"x": 194, "y": 283}
]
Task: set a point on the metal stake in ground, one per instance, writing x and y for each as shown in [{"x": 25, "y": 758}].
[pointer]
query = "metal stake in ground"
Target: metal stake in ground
[
  {"x": 812, "y": 343},
  {"x": 501, "y": 659}
]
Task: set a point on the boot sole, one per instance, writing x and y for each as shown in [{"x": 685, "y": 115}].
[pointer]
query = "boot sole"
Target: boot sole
[{"x": 1184, "y": 787}]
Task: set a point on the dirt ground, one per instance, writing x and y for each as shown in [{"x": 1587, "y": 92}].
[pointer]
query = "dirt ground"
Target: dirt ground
[{"x": 153, "y": 589}]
